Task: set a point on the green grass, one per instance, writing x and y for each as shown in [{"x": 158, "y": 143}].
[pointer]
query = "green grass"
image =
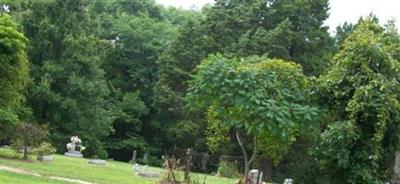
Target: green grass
[
  {"x": 8, "y": 177},
  {"x": 77, "y": 168}
]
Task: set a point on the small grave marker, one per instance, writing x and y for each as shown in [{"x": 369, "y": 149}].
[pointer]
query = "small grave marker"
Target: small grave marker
[
  {"x": 255, "y": 177},
  {"x": 97, "y": 162},
  {"x": 145, "y": 157},
  {"x": 134, "y": 155},
  {"x": 288, "y": 181}
]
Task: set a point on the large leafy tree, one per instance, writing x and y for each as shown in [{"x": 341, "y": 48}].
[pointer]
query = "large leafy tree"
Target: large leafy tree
[
  {"x": 14, "y": 70},
  {"x": 68, "y": 90},
  {"x": 361, "y": 91},
  {"x": 139, "y": 32},
  {"x": 171, "y": 85},
  {"x": 265, "y": 99},
  {"x": 288, "y": 29}
]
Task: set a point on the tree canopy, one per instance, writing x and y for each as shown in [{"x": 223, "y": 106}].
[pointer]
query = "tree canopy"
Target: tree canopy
[
  {"x": 14, "y": 70},
  {"x": 361, "y": 92},
  {"x": 290, "y": 30},
  {"x": 266, "y": 98},
  {"x": 259, "y": 79}
]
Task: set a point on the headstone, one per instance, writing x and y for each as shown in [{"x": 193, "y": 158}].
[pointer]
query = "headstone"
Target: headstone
[
  {"x": 145, "y": 157},
  {"x": 288, "y": 181},
  {"x": 204, "y": 161},
  {"x": 45, "y": 158},
  {"x": 149, "y": 174},
  {"x": 97, "y": 162},
  {"x": 396, "y": 169},
  {"x": 72, "y": 152},
  {"x": 134, "y": 155},
  {"x": 143, "y": 171},
  {"x": 255, "y": 177},
  {"x": 136, "y": 168}
]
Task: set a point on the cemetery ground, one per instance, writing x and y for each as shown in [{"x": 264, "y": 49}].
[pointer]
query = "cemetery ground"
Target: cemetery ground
[{"x": 65, "y": 169}]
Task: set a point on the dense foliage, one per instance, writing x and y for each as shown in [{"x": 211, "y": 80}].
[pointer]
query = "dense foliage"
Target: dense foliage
[
  {"x": 361, "y": 91},
  {"x": 288, "y": 29},
  {"x": 68, "y": 86},
  {"x": 267, "y": 99},
  {"x": 235, "y": 78},
  {"x": 14, "y": 70}
]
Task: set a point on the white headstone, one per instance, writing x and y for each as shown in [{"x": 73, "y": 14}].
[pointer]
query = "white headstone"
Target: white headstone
[
  {"x": 255, "y": 177},
  {"x": 134, "y": 155},
  {"x": 288, "y": 181},
  {"x": 136, "y": 168}
]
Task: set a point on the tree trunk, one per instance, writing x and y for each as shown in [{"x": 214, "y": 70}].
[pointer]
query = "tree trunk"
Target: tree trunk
[
  {"x": 247, "y": 161},
  {"x": 188, "y": 165},
  {"x": 246, "y": 164}
]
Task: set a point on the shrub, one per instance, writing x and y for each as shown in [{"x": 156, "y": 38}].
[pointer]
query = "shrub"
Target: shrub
[
  {"x": 45, "y": 149},
  {"x": 102, "y": 154},
  {"x": 154, "y": 161},
  {"x": 227, "y": 169}
]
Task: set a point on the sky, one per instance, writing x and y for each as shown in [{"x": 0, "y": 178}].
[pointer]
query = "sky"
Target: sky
[{"x": 340, "y": 10}]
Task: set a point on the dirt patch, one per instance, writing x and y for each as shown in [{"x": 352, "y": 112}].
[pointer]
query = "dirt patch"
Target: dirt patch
[
  {"x": 28, "y": 172},
  {"x": 69, "y": 180},
  {"x": 19, "y": 171}
]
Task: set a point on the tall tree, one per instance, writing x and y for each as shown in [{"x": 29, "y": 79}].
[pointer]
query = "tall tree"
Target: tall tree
[
  {"x": 361, "y": 91},
  {"x": 265, "y": 99},
  {"x": 287, "y": 29},
  {"x": 171, "y": 85},
  {"x": 14, "y": 70},
  {"x": 68, "y": 90},
  {"x": 139, "y": 32}
]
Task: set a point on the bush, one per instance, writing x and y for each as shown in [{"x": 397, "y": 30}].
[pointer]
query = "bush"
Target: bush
[
  {"x": 227, "y": 169},
  {"x": 45, "y": 149},
  {"x": 154, "y": 161},
  {"x": 101, "y": 154}
]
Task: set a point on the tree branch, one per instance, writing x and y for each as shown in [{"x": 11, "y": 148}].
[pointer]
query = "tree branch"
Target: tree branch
[
  {"x": 253, "y": 156},
  {"x": 241, "y": 146},
  {"x": 246, "y": 163}
]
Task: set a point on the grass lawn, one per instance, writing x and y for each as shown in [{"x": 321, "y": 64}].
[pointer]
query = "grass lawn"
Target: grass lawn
[
  {"x": 77, "y": 168},
  {"x": 9, "y": 177}
]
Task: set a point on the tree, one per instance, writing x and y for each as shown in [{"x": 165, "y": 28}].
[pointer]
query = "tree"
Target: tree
[
  {"x": 139, "y": 31},
  {"x": 361, "y": 92},
  {"x": 285, "y": 29},
  {"x": 14, "y": 76},
  {"x": 138, "y": 41},
  {"x": 79, "y": 45},
  {"x": 28, "y": 135},
  {"x": 342, "y": 32},
  {"x": 68, "y": 89},
  {"x": 171, "y": 84},
  {"x": 14, "y": 70},
  {"x": 127, "y": 126},
  {"x": 265, "y": 99}
]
